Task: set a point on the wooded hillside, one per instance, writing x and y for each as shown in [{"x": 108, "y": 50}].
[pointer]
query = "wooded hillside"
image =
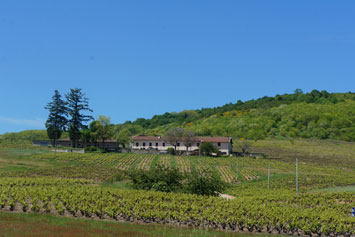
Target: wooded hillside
[{"x": 317, "y": 114}]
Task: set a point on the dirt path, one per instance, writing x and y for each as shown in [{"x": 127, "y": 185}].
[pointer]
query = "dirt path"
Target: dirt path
[{"x": 227, "y": 196}]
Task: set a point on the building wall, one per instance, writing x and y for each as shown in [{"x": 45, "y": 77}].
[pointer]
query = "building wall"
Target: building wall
[{"x": 225, "y": 147}]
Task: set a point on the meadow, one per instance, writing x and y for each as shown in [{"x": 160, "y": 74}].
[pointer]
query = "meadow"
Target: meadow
[{"x": 93, "y": 186}]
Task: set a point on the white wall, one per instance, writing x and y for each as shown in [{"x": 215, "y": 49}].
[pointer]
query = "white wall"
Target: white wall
[{"x": 224, "y": 146}]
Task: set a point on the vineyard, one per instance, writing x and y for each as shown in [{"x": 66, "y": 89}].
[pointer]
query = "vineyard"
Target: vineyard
[
  {"x": 101, "y": 167},
  {"x": 288, "y": 213},
  {"x": 67, "y": 184}
]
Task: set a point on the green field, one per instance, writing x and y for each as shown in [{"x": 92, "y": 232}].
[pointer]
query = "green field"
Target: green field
[{"x": 84, "y": 185}]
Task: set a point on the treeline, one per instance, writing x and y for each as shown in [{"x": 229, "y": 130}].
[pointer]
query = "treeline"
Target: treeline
[
  {"x": 23, "y": 137},
  {"x": 315, "y": 96},
  {"x": 298, "y": 120}
]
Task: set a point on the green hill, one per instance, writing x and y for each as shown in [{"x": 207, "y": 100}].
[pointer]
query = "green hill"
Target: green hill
[
  {"x": 312, "y": 115},
  {"x": 317, "y": 114},
  {"x": 24, "y": 137}
]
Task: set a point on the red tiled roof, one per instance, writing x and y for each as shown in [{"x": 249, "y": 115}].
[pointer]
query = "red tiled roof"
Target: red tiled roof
[
  {"x": 198, "y": 139},
  {"x": 214, "y": 139},
  {"x": 147, "y": 138}
]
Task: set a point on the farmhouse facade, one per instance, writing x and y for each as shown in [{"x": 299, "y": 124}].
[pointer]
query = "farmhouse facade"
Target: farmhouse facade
[{"x": 142, "y": 142}]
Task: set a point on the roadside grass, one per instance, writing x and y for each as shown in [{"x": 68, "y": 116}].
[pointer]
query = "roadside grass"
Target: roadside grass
[{"x": 34, "y": 224}]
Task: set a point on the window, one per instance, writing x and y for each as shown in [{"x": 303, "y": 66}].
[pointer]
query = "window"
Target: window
[
  {"x": 156, "y": 144},
  {"x": 178, "y": 144},
  {"x": 143, "y": 143},
  {"x": 198, "y": 144},
  {"x": 150, "y": 144},
  {"x": 163, "y": 144},
  {"x": 219, "y": 144},
  {"x": 137, "y": 144},
  {"x": 107, "y": 145}
]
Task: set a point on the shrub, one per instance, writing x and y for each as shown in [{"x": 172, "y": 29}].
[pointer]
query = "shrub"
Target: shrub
[
  {"x": 160, "y": 179},
  {"x": 208, "y": 148},
  {"x": 205, "y": 182},
  {"x": 94, "y": 149},
  {"x": 171, "y": 151},
  {"x": 90, "y": 149}
]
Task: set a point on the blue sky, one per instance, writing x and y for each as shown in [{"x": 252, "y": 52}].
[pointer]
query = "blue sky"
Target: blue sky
[{"x": 141, "y": 58}]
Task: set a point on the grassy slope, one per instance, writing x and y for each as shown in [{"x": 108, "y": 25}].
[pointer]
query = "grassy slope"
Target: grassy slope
[
  {"x": 320, "y": 121},
  {"x": 33, "y": 224}
]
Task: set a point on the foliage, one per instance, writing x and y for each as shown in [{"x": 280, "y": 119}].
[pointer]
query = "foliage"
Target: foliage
[
  {"x": 189, "y": 138},
  {"x": 124, "y": 137},
  {"x": 287, "y": 213},
  {"x": 77, "y": 104},
  {"x": 320, "y": 121},
  {"x": 188, "y": 116},
  {"x": 207, "y": 148},
  {"x": 93, "y": 127},
  {"x": 321, "y": 164},
  {"x": 173, "y": 136},
  {"x": 171, "y": 151},
  {"x": 103, "y": 128},
  {"x": 57, "y": 120},
  {"x": 86, "y": 136},
  {"x": 93, "y": 149},
  {"x": 244, "y": 146},
  {"x": 317, "y": 114},
  {"x": 25, "y": 137},
  {"x": 160, "y": 179},
  {"x": 166, "y": 179},
  {"x": 205, "y": 182}
]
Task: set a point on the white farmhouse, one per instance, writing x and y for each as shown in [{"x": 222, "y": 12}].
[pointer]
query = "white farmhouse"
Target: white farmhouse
[{"x": 142, "y": 142}]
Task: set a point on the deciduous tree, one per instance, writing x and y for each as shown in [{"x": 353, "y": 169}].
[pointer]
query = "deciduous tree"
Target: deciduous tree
[
  {"x": 173, "y": 136},
  {"x": 124, "y": 137},
  {"x": 188, "y": 138},
  {"x": 104, "y": 128}
]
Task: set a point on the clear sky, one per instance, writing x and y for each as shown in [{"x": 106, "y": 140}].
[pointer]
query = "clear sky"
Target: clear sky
[{"x": 141, "y": 58}]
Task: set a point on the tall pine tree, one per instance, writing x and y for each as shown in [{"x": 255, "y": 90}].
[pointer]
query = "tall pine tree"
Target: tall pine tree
[
  {"x": 57, "y": 120},
  {"x": 77, "y": 104}
]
